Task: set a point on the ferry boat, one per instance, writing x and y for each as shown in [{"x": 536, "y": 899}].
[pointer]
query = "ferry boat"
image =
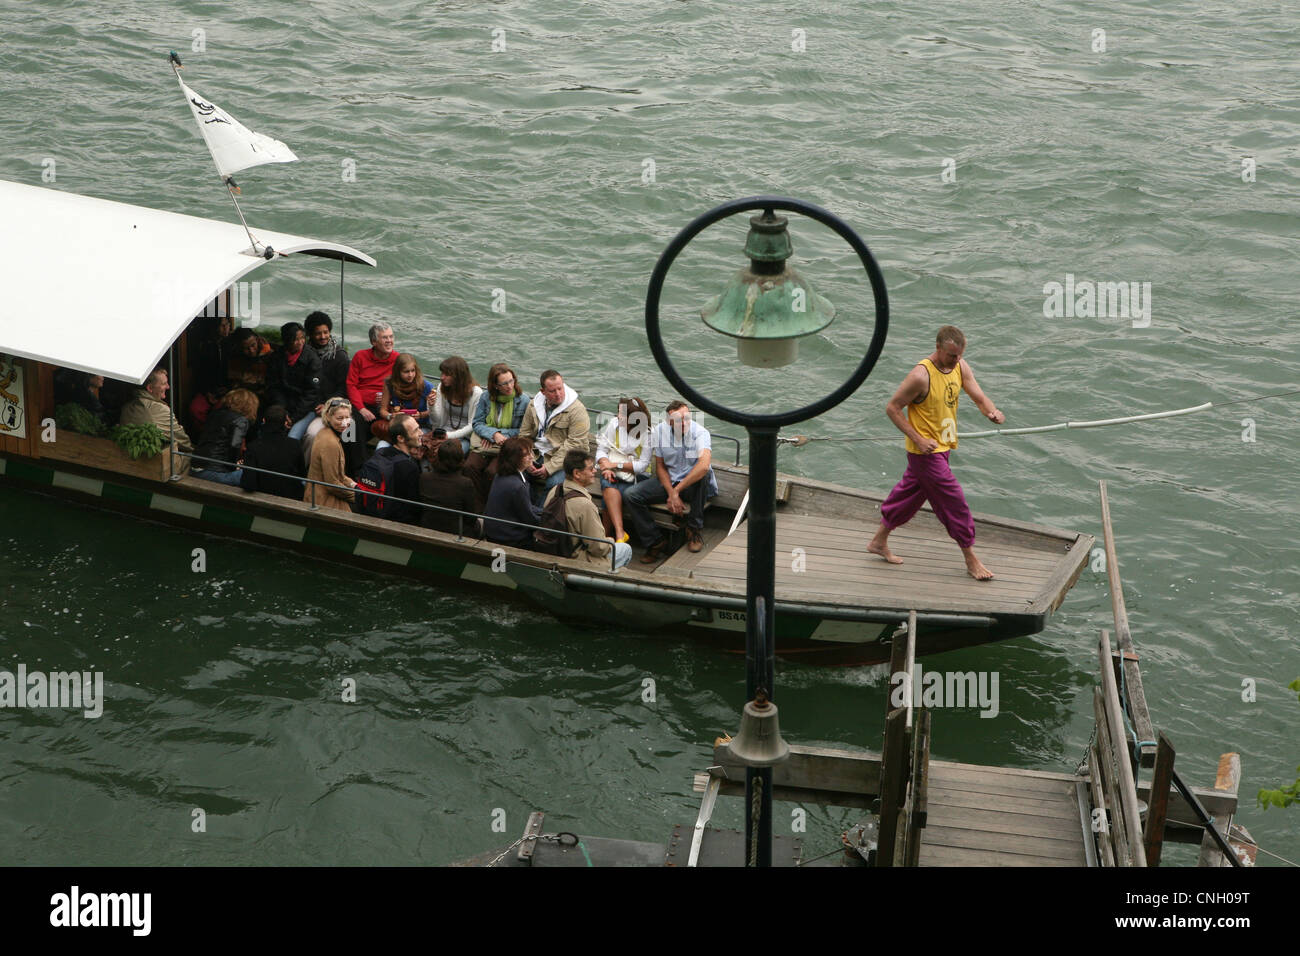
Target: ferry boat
[{"x": 114, "y": 289}]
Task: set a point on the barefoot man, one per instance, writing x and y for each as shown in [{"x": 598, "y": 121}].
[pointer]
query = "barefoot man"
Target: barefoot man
[{"x": 929, "y": 394}]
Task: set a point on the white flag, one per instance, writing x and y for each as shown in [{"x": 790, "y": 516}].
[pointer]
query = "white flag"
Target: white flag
[{"x": 233, "y": 145}]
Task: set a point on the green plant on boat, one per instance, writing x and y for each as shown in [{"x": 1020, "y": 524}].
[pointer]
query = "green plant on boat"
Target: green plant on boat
[
  {"x": 138, "y": 441},
  {"x": 1283, "y": 796},
  {"x": 74, "y": 418}
]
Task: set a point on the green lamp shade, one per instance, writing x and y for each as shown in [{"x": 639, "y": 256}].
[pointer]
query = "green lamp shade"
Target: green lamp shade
[{"x": 766, "y": 314}]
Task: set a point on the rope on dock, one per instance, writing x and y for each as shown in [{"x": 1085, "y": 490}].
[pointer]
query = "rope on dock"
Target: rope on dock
[{"x": 1059, "y": 426}]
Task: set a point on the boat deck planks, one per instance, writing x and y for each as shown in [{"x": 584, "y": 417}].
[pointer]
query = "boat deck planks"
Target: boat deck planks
[
  {"x": 836, "y": 564},
  {"x": 998, "y": 816}
]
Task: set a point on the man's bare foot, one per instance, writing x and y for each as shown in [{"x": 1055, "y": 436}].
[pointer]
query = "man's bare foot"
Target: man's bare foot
[
  {"x": 975, "y": 567},
  {"x": 883, "y": 550}
]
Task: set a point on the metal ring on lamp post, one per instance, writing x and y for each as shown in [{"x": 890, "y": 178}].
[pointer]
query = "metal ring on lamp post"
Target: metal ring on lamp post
[{"x": 781, "y": 419}]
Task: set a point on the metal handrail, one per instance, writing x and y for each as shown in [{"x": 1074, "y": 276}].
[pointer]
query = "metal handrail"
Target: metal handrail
[{"x": 460, "y": 515}]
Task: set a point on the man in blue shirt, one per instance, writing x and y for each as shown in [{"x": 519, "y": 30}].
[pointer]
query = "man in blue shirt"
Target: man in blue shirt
[{"x": 681, "y": 455}]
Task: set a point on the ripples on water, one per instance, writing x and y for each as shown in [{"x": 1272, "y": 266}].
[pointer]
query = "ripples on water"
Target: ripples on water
[{"x": 523, "y": 170}]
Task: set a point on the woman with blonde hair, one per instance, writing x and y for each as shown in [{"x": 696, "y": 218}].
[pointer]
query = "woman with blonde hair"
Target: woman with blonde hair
[
  {"x": 327, "y": 462},
  {"x": 456, "y": 401},
  {"x": 406, "y": 390},
  {"x": 220, "y": 449}
]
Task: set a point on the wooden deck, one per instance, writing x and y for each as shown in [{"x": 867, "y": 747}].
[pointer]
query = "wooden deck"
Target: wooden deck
[
  {"x": 836, "y": 566},
  {"x": 998, "y": 816}
]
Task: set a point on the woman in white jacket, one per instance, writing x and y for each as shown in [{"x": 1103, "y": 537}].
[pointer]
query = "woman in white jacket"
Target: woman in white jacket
[
  {"x": 453, "y": 408},
  {"x": 623, "y": 458}
]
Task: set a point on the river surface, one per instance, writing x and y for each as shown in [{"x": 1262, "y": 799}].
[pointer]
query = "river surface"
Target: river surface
[{"x": 982, "y": 154}]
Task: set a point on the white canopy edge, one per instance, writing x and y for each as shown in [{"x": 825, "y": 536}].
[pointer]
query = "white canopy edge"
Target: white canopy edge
[{"x": 107, "y": 287}]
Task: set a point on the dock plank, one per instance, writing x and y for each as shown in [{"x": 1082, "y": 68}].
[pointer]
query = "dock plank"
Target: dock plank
[
  {"x": 995, "y": 821},
  {"x": 1060, "y": 848},
  {"x": 1031, "y": 804},
  {"x": 939, "y": 855}
]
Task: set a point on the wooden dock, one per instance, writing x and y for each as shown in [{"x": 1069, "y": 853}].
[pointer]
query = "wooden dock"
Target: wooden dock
[{"x": 923, "y": 812}]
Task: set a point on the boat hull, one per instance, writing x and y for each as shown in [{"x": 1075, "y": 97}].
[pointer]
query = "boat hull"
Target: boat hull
[{"x": 715, "y": 619}]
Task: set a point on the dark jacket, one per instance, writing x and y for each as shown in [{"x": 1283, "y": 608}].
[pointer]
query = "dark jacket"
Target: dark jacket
[
  {"x": 406, "y": 485},
  {"x": 448, "y": 491},
  {"x": 298, "y": 386},
  {"x": 276, "y": 451},
  {"x": 510, "y": 498},
  {"x": 222, "y": 438},
  {"x": 334, "y": 374}
]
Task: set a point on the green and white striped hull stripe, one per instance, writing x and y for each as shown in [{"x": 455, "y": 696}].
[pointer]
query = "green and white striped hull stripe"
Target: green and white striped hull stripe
[{"x": 222, "y": 517}]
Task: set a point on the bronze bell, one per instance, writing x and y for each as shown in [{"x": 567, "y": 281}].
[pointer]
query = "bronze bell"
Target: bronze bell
[{"x": 759, "y": 743}]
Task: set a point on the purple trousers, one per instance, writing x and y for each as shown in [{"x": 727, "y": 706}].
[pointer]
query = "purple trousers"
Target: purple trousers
[{"x": 928, "y": 478}]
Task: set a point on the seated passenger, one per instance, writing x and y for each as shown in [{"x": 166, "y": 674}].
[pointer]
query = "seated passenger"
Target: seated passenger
[
  {"x": 202, "y": 404},
  {"x": 510, "y": 498},
  {"x": 682, "y": 452},
  {"x": 333, "y": 357},
  {"x": 293, "y": 375},
  {"x": 248, "y": 360},
  {"x": 580, "y": 513},
  {"x": 447, "y": 487},
  {"x": 497, "y": 416},
  {"x": 456, "y": 401},
  {"x": 333, "y": 367},
  {"x": 274, "y": 450},
  {"x": 220, "y": 448},
  {"x": 210, "y": 351},
  {"x": 555, "y": 424},
  {"x": 406, "y": 391},
  {"x": 623, "y": 458},
  {"x": 79, "y": 388},
  {"x": 149, "y": 406},
  {"x": 326, "y": 463},
  {"x": 394, "y": 472},
  {"x": 368, "y": 371}
]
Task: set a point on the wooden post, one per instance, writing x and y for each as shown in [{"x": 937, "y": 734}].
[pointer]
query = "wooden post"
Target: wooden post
[
  {"x": 1158, "y": 810},
  {"x": 1105, "y": 854},
  {"x": 893, "y": 779},
  {"x": 1127, "y": 789},
  {"x": 1106, "y": 761},
  {"x": 1227, "y": 779},
  {"x": 902, "y": 657},
  {"x": 918, "y": 787},
  {"x": 1137, "y": 700}
]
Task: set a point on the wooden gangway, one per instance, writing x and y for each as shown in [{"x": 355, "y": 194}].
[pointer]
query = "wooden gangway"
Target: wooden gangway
[{"x": 935, "y": 813}]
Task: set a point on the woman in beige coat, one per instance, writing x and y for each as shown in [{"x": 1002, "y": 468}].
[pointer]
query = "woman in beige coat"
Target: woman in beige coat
[{"x": 327, "y": 463}]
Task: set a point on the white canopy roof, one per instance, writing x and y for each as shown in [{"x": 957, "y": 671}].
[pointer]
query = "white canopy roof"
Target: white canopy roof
[{"x": 106, "y": 287}]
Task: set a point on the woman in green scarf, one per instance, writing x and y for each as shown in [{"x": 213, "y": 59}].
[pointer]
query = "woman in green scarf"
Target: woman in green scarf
[{"x": 495, "y": 421}]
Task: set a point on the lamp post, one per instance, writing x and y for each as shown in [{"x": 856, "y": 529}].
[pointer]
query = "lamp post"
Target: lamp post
[{"x": 766, "y": 307}]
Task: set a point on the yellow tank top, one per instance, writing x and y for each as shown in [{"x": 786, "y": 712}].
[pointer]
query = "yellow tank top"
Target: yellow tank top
[{"x": 935, "y": 415}]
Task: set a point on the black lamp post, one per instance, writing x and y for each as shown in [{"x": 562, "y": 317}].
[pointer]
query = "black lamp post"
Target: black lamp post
[{"x": 761, "y": 309}]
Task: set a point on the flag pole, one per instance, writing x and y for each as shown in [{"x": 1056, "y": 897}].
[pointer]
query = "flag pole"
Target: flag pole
[{"x": 231, "y": 186}]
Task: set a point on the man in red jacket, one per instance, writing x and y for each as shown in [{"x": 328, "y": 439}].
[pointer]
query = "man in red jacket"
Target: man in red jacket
[{"x": 369, "y": 369}]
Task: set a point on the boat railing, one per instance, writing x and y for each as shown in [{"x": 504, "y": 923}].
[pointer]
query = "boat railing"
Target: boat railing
[
  {"x": 604, "y": 416},
  {"x": 460, "y": 515}
]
